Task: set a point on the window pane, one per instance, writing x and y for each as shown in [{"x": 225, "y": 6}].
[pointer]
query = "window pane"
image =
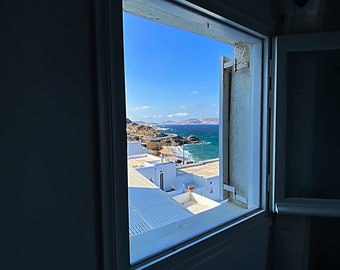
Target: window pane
[{"x": 312, "y": 129}]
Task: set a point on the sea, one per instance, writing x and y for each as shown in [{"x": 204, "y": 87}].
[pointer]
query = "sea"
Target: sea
[{"x": 207, "y": 134}]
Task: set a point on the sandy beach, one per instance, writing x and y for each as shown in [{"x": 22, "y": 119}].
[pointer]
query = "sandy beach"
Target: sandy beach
[{"x": 167, "y": 151}]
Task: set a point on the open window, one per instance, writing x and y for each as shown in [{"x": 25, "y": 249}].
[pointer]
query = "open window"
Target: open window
[
  {"x": 297, "y": 110},
  {"x": 163, "y": 212},
  {"x": 306, "y": 132}
]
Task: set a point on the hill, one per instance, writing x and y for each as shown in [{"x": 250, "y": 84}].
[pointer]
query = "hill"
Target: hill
[{"x": 193, "y": 121}]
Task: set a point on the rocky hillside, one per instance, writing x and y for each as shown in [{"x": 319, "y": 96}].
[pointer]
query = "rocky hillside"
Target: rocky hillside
[
  {"x": 193, "y": 121},
  {"x": 149, "y": 134},
  {"x": 198, "y": 121},
  {"x": 143, "y": 131}
]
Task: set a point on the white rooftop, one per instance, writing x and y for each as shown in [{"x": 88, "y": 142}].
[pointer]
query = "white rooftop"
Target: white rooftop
[
  {"x": 149, "y": 206},
  {"x": 157, "y": 221},
  {"x": 204, "y": 169}
]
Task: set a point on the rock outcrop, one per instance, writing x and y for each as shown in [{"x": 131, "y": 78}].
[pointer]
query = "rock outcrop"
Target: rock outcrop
[
  {"x": 149, "y": 134},
  {"x": 143, "y": 131},
  {"x": 193, "y": 139}
]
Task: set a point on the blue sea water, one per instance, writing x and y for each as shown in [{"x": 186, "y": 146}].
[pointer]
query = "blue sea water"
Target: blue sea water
[{"x": 206, "y": 133}]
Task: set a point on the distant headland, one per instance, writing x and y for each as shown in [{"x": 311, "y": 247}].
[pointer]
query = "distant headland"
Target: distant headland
[{"x": 191, "y": 121}]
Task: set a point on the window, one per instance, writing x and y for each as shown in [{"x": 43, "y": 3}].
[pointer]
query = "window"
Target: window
[
  {"x": 163, "y": 212},
  {"x": 269, "y": 111},
  {"x": 305, "y": 140}
]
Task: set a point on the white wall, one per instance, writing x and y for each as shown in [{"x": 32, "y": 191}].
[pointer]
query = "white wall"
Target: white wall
[
  {"x": 153, "y": 173},
  {"x": 135, "y": 148}
]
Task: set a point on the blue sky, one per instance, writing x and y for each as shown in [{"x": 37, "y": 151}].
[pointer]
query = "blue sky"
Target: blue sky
[{"x": 170, "y": 74}]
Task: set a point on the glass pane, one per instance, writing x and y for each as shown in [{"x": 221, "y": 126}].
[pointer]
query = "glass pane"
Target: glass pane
[
  {"x": 173, "y": 82},
  {"x": 312, "y": 124}
]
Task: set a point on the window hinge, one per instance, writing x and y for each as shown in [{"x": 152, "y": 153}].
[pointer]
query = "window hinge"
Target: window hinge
[
  {"x": 228, "y": 64},
  {"x": 230, "y": 189},
  {"x": 240, "y": 66}
]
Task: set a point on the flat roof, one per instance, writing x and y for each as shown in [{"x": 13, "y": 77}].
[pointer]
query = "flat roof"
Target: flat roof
[
  {"x": 156, "y": 221},
  {"x": 136, "y": 162},
  {"x": 208, "y": 169}
]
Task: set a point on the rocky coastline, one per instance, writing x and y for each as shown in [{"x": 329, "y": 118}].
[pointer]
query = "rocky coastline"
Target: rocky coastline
[{"x": 155, "y": 139}]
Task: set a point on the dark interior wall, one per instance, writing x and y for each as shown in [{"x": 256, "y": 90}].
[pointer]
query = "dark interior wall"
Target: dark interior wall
[
  {"x": 241, "y": 247},
  {"x": 307, "y": 242},
  {"x": 302, "y": 16},
  {"x": 47, "y": 136},
  {"x": 279, "y": 17},
  {"x": 304, "y": 242},
  {"x": 324, "y": 252},
  {"x": 256, "y": 15},
  {"x": 289, "y": 245}
]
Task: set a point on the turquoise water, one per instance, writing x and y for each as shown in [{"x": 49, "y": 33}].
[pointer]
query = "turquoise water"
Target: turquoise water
[{"x": 206, "y": 133}]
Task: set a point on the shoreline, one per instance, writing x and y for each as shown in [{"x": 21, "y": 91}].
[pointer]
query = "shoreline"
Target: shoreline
[
  {"x": 169, "y": 144},
  {"x": 170, "y": 154},
  {"x": 167, "y": 151}
]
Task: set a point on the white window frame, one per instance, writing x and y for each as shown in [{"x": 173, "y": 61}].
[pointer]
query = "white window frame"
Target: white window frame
[
  {"x": 111, "y": 106},
  {"x": 282, "y": 46},
  {"x": 186, "y": 16},
  {"x": 113, "y": 223}
]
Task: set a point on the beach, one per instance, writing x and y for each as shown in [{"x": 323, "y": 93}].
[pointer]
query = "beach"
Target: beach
[
  {"x": 167, "y": 151},
  {"x": 169, "y": 154}
]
